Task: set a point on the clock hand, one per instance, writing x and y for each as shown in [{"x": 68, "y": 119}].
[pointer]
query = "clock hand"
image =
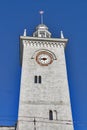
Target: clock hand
[{"x": 44, "y": 59}]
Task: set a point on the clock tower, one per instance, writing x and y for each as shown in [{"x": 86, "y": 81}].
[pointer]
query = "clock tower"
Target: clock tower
[{"x": 44, "y": 93}]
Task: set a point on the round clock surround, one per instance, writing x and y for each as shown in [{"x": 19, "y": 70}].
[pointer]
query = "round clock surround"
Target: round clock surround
[{"x": 44, "y": 58}]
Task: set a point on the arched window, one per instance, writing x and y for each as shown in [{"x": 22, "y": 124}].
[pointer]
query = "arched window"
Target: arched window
[
  {"x": 55, "y": 115},
  {"x": 50, "y": 115}
]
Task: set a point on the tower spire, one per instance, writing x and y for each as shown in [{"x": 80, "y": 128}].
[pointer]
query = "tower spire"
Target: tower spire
[
  {"x": 62, "y": 36},
  {"x": 41, "y": 16}
]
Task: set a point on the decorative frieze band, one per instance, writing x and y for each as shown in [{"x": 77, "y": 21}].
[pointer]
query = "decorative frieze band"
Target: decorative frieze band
[{"x": 43, "y": 43}]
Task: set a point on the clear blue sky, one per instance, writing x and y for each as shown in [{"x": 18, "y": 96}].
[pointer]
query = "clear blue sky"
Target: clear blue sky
[{"x": 66, "y": 15}]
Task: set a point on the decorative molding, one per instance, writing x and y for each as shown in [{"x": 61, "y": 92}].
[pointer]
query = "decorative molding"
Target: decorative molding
[{"x": 43, "y": 43}]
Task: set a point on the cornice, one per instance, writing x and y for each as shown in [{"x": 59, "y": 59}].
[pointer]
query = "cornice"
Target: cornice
[{"x": 44, "y": 39}]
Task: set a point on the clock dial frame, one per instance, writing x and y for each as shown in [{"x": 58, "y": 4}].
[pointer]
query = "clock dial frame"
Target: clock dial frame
[{"x": 44, "y": 58}]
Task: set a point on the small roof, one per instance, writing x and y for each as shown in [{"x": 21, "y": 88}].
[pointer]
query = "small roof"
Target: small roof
[
  {"x": 42, "y": 26},
  {"x": 42, "y": 31}
]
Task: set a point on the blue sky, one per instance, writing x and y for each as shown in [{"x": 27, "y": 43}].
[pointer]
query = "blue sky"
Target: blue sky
[{"x": 69, "y": 16}]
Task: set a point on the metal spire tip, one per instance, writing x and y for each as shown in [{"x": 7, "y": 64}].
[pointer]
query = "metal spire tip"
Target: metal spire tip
[{"x": 41, "y": 13}]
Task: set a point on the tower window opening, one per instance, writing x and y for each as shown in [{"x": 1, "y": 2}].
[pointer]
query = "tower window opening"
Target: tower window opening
[
  {"x": 40, "y": 79},
  {"x": 50, "y": 115},
  {"x": 55, "y": 115},
  {"x": 35, "y": 79}
]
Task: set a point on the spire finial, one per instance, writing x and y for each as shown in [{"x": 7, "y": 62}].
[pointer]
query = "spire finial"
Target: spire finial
[
  {"x": 25, "y": 32},
  {"x": 41, "y": 14},
  {"x": 62, "y": 36}
]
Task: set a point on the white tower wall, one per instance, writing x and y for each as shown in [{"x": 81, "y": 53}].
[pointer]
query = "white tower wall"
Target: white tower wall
[{"x": 36, "y": 100}]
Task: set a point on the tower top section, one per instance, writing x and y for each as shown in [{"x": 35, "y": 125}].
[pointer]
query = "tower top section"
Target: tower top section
[{"x": 42, "y": 31}]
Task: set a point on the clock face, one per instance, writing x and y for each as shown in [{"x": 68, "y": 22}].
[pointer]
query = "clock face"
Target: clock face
[{"x": 44, "y": 58}]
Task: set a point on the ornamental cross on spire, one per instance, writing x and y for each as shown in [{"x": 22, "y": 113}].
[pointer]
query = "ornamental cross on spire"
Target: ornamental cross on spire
[{"x": 41, "y": 14}]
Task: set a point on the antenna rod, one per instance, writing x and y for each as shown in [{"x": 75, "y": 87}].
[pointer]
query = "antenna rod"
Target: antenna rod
[{"x": 41, "y": 13}]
